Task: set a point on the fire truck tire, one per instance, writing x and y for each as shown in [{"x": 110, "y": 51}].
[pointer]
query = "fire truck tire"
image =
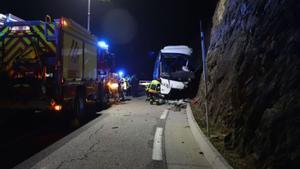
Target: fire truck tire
[
  {"x": 79, "y": 105},
  {"x": 103, "y": 97}
]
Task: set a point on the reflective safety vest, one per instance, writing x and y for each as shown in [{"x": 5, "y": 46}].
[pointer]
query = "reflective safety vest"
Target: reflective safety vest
[
  {"x": 153, "y": 87},
  {"x": 124, "y": 83}
]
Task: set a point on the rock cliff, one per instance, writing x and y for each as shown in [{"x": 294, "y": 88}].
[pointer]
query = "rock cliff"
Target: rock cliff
[{"x": 254, "y": 79}]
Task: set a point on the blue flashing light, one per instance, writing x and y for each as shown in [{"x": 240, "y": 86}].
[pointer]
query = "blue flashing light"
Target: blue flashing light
[
  {"x": 103, "y": 45},
  {"x": 121, "y": 73}
]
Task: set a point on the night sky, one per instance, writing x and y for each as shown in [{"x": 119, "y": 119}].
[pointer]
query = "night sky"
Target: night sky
[{"x": 134, "y": 29}]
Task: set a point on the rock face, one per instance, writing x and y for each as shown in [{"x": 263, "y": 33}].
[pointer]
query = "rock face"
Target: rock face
[{"x": 254, "y": 79}]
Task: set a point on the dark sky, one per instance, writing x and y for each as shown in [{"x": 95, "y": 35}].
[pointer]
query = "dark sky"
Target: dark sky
[{"x": 133, "y": 28}]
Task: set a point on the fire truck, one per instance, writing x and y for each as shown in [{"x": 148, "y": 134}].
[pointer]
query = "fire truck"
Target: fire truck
[{"x": 49, "y": 66}]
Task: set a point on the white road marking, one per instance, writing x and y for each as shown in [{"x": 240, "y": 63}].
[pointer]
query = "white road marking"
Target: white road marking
[
  {"x": 164, "y": 114},
  {"x": 157, "y": 144}
]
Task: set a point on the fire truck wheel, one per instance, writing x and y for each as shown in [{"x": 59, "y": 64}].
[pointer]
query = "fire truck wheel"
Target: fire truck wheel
[
  {"x": 79, "y": 105},
  {"x": 103, "y": 97}
]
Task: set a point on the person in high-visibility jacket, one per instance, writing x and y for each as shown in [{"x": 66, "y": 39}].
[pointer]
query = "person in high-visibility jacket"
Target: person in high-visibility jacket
[{"x": 153, "y": 91}]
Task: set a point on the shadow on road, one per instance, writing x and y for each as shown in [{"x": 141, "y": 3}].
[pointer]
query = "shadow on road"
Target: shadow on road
[{"x": 25, "y": 133}]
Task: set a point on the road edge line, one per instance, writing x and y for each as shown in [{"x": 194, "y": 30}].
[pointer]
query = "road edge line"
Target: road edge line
[{"x": 212, "y": 155}]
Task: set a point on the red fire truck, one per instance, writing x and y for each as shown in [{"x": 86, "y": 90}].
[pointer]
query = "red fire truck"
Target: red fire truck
[{"x": 49, "y": 66}]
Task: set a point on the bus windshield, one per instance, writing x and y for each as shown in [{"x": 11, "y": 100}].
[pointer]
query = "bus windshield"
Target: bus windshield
[{"x": 173, "y": 62}]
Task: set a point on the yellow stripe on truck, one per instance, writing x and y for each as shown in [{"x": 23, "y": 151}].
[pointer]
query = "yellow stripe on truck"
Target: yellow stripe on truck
[
  {"x": 10, "y": 64},
  {"x": 42, "y": 36},
  {"x": 50, "y": 44},
  {"x": 4, "y": 31},
  {"x": 10, "y": 44},
  {"x": 9, "y": 55},
  {"x": 27, "y": 41},
  {"x": 20, "y": 46},
  {"x": 30, "y": 54},
  {"x": 14, "y": 45}
]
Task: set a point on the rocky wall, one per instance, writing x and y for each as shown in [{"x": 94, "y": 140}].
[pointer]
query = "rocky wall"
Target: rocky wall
[{"x": 254, "y": 79}]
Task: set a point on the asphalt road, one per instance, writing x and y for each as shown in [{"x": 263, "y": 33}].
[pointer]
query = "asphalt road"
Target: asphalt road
[
  {"x": 122, "y": 137},
  {"x": 129, "y": 135},
  {"x": 24, "y": 134}
]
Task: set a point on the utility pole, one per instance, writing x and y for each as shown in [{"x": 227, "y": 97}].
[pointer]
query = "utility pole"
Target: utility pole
[
  {"x": 89, "y": 15},
  {"x": 204, "y": 76}
]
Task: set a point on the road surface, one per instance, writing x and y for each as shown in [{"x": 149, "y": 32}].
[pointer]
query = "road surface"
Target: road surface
[{"x": 131, "y": 135}]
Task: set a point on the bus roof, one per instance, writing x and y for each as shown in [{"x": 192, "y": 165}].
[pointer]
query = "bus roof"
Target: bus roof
[{"x": 180, "y": 49}]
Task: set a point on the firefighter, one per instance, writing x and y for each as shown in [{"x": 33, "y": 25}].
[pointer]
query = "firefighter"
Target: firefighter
[
  {"x": 125, "y": 85},
  {"x": 123, "y": 88},
  {"x": 153, "y": 92}
]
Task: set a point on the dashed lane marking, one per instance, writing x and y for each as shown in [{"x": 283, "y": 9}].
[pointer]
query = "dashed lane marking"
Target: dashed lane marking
[
  {"x": 164, "y": 114},
  {"x": 157, "y": 144}
]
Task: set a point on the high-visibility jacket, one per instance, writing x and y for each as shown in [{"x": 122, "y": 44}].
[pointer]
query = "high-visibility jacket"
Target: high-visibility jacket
[
  {"x": 124, "y": 83},
  {"x": 153, "y": 87}
]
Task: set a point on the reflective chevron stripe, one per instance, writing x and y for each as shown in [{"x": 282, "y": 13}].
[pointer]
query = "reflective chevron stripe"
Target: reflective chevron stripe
[
  {"x": 39, "y": 31},
  {"x": 13, "y": 44}
]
